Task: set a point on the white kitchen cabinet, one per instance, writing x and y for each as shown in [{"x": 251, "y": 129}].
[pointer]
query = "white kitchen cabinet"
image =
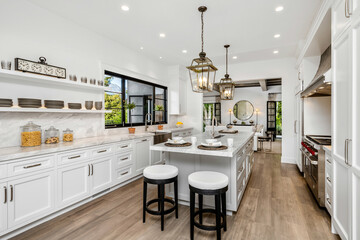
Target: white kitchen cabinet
[
  {"x": 340, "y": 22},
  {"x": 73, "y": 184},
  {"x": 346, "y": 118},
  {"x": 142, "y": 155},
  {"x": 30, "y": 198},
  {"x": 298, "y": 129},
  {"x": 101, "y": 177},
  {"x": 3, "y": 206},
  {"x": 342, "y": 126}
]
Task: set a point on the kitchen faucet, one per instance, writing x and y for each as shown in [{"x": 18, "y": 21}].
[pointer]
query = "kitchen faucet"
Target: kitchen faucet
[
  {"x": 213, "y": 126},
  {"x": 146, "y": 121}
]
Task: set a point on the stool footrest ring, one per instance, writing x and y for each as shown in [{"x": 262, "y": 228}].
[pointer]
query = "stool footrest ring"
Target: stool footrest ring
[
  {"x": 207, "y": 227},
  {"x": 157, "y": 200}
]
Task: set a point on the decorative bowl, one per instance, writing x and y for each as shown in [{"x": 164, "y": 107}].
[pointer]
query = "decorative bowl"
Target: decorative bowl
[{"x": 211, "y": 140}]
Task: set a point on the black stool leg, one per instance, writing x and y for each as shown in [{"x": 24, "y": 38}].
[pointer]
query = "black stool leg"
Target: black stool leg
[
  {"x": 218, "y": 216},
  {"x": 200, "y": 207},
  {"x": 144, "y": 200},
  {"x": 159, "y": 197},
  {"x": 176, "y": 199},
  {"x": 162, "y": 196},
  {"x": 223, "y": 201},
  {"x": 192, "y": 214}
]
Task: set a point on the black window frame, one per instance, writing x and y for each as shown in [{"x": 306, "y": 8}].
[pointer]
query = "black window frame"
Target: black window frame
[{"x": 123, "y": 94}]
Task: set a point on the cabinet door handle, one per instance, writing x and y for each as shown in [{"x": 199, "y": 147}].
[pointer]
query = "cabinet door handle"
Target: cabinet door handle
[
  {"x": 144, "y": 140},
  {"x": 89, "y": 170},
  {"x": 124, "y": 173},
  {"x": 5, "y": 196},
  {"x": 73, "y": 157},
  {"x": 101, "y": 151},
  {"x": 329, "y": 180},
  {"x": 347, "y": 151},
  {"x": 295, "y": 127},
  {"x": 124, "y": 146},
  {"x": 92, "y": 170},
  {"x": 328, "y": 200},
  {"x": 328, "y": 161},
  {"x": 347, "y": 12},
  {"x": 124, "y": 159},
  {"x": 31, "y": 166},
  {"x": 11, "y": 193}
]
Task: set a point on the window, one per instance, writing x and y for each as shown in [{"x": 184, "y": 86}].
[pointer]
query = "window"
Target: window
[{"x": 147, "y": 99}]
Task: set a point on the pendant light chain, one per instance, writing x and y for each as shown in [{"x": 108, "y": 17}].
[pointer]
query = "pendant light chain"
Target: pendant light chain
[
  {"x": 226, "y": 61},
  {"x": 202, "y": 31}
]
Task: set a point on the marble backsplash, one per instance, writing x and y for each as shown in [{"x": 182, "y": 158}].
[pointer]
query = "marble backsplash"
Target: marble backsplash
[{"x": 83, "y": 125}]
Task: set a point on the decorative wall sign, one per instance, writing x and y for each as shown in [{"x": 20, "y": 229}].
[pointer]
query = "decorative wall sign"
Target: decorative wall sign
[{"x": 40, "y": 67}]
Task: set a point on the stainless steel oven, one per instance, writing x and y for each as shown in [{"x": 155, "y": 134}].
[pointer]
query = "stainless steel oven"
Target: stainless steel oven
[{"x": 314, "y": 164}]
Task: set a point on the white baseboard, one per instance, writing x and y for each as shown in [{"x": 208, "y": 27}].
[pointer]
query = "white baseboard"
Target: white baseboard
[{"x": 288, "y": 160}]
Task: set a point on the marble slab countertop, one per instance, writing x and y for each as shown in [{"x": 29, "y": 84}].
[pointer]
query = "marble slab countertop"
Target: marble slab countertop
[
  {"x": 172, "y": 129},
  {"x": 240, "y": 139},
  {"x": 327, "y": 148},
  {"x": 11, "y": 153}
]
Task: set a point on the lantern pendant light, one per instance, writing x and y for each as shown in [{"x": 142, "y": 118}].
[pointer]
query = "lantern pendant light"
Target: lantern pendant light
[
  {"x": 202, "y": 71},
  {"x": 226, "y": 86}
]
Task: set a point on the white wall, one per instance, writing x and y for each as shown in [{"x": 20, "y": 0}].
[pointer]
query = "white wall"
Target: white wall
[
  {"x": 28, "y": 31},
  {"x": 317, "y": 116},
  {"x": 255, "y": 96},
  {"x": 280, "y": 68}
]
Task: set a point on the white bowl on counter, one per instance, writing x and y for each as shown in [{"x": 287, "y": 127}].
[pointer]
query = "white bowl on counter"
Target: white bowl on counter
[{"x": 211, "y": 141}]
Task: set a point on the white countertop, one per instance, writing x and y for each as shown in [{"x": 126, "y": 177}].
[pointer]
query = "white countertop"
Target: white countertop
[
  {"x": 174, "y": 129},
  {"x": 240, "y": 139},
  {"x": 327, "y": 148},
  {"x": 21, "y": 152}
]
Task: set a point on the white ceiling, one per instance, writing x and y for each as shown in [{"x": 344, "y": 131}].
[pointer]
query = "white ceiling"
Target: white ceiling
[{"x": 248, "y": 26}]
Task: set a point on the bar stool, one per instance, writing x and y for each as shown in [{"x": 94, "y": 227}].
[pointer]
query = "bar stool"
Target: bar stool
[
  {"x": 160, "y": 175},
  {"x": 208, "y": 183}
]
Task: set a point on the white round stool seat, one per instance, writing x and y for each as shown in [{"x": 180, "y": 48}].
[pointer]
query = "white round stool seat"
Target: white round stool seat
[
  {"x": 159, "y": 172},
  {"x": 207, "y": 180}
]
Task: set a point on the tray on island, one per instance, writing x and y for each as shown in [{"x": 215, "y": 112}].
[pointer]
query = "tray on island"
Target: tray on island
[
  {"x": 178, "y": 145},
  {"x": 223, "y": 147}
]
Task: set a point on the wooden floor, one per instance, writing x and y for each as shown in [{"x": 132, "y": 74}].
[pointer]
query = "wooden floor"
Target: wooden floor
[{"x": 277, "y": 205}]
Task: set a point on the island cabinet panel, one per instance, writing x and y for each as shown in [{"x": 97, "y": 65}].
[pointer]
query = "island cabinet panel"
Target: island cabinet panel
[
  {"x": 30, "y": 198},
  {"x": 3, "y": 206}
]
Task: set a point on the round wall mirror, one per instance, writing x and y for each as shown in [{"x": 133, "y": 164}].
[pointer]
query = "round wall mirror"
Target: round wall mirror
[{"x": 243, "y": 110}]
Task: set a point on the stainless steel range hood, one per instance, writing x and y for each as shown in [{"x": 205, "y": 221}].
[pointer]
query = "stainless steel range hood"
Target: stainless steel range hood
[{"x": 321, "y": 84}]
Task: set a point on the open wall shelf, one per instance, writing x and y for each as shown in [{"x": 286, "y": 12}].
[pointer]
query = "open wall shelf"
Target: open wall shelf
[
  {"x": 29, "y": 77},
  {"x": 49, "y": 110}
]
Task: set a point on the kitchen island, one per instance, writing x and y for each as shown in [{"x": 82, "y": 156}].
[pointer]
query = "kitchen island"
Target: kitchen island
[{"x": 236, "y": 162}]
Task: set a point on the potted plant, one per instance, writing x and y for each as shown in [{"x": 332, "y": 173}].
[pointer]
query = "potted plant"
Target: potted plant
[
  {"x": 159, "y": 108},
  {"x": 130, "y": 107}
]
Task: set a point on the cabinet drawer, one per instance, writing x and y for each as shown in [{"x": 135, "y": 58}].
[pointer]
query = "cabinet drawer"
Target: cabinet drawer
[
  {"x": 328, "y": 160},
  {"x": 31, "y": 165},
  {"x": 123, "y": 174},
  {"x": 328, "y": 199},
  {"x": 73, "y": 156},
  {"x": 328, "y": 179},
  {"x": 123, "y": 146},
  {"x": 102, "y": 150},
  {"x": 3, "y": 171},
  {"x": 122, "y": 160}
]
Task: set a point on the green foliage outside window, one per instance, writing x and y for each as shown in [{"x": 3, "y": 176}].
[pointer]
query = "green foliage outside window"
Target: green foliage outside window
[
  {"x": 113, "y": 102},
  {"x": 279, "y": 118}
]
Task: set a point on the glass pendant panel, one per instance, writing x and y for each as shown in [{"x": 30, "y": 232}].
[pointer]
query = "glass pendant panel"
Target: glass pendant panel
[
  {"x": 202, "y": 75},
  {"x": 227, "y": 89}
]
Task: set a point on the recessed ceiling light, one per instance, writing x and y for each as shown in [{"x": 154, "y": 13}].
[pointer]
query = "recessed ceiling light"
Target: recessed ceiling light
[
  {"x": 279, "y": 8},
  {"x": 162, "y": 35},
  {"x": 184, "y": 51},
  {"x": 125, "y": 8},
  {"x": 234, "y": 57},
  {"x": 276, "y": 35},
  {"x": 276, "y": 51},
  {"x": 141, "y": 48},
  {"x": 160, "y": 57}
]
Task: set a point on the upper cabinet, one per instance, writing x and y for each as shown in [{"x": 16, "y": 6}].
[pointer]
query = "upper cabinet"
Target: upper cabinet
[
  {"x": 341, "y": 17},
  {"x": 178, "y": 89}
]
